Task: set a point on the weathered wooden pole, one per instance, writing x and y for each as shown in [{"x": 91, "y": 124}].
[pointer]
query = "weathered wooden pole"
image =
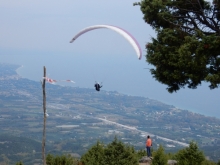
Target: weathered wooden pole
[{"x": 45, "y": 117}]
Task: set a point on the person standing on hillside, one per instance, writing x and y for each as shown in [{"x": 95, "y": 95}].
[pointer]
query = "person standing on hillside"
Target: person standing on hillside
[{"x": 148, "y": 145}]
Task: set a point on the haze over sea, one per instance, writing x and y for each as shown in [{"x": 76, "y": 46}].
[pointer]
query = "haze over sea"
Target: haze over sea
[
  {"x": 122, "y": 73},
  {"x": 37, "y": 33}
]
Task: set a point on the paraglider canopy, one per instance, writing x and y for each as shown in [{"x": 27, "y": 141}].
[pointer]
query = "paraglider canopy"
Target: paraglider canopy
[{"x": 121, "y": 31}]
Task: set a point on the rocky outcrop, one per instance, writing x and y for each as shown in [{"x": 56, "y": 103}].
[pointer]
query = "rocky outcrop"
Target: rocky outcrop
[
  {"x": 145, "y": 159},
  {"x": 172, "y": 162},
  {"x": 148, "y": 160}
]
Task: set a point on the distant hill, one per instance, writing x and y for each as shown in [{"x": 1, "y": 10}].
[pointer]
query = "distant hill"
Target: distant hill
[
  {"x": 18, "y": 149},
  {"x": 78, "y": 117}
]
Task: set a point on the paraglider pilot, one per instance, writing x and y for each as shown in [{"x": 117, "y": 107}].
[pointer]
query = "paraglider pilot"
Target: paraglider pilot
[{"x": 97, "y": 86}]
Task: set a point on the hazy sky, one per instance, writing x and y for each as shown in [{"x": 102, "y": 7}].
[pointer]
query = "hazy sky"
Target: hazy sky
[{"x": 37, "y": 34}]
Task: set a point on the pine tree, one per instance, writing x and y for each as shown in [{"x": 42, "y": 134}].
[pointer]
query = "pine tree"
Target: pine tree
[
  {"x": 120, "y": 154},
  {"x": 114, "y": 153},
  {"x": 141, "y": 153},
  {"x": 50, "y": 159},
  {"x": 159, "y": 156},
  {"x": 186, "y": 50},
  {"x": 61, "y": 160},
  {"x": 19, "y": 163},
  {"x": 95, "y": 155},
  {"x": 190, "y": 155}
]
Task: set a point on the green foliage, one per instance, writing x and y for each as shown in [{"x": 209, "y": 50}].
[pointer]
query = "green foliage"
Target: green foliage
[
  {"x": 19, "y": 163},
  {"x": 95, "y": 155},
  {"x": 159, "y": 157},
  {"x": 141, "y": 153},
  {"x": 186, "y": 50},
  {"x": 190, "y": 155},
  {"x": 208, "y": 162},
  {"x": 114, "y": 153},
  {"x": 170, "y": 156},
  {"x": 218, "y": 162},
  {"x": 120, "y": 154},
  {"x": 61, "y": 160}
]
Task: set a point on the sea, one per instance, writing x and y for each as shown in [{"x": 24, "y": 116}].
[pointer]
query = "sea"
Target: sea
[{"x": 122, "y": 73}]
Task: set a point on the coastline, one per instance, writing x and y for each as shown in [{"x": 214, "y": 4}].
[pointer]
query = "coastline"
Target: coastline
[
  {"x": 33, "y": 73},
  {"x": 17, "y": 70}
]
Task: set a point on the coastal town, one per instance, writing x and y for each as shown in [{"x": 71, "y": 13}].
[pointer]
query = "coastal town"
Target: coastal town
[{"x": 78, "y": 114}]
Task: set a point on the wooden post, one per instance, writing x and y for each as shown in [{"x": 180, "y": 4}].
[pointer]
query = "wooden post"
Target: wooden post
[{"x": 45, "y": 117}]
